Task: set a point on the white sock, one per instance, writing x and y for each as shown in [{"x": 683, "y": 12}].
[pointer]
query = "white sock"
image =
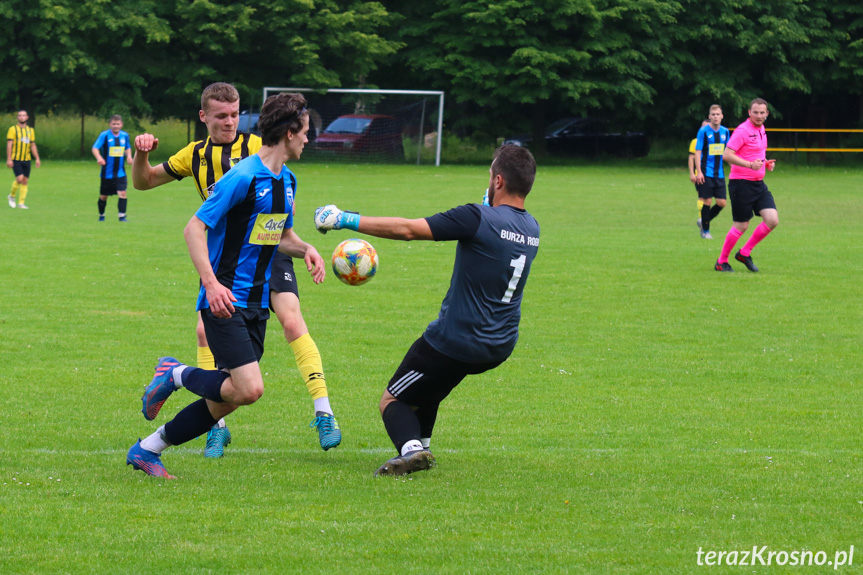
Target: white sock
[
  {"x": 221, "y": 423},
  {"x": 178, "y": 375},
  {"x": 156, "y": 442},
  {"x": 412, "y": 445},
  {"x": 426, "y": 441},
  {"x": 323, "y": 404}
]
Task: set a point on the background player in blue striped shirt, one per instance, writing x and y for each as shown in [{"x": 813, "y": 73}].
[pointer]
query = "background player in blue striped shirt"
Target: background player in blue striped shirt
[
  {"x": 710, "y": 181},
  {"x": 232, "y": 239},
  {"x": 477, "y": 327},
  {"x": 112, "y": 150}
]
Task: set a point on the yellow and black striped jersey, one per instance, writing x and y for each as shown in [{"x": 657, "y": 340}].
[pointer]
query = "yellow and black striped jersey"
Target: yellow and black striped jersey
[
  {"x": 21, "y": 140},
  {"x": 207, "y": 162}
]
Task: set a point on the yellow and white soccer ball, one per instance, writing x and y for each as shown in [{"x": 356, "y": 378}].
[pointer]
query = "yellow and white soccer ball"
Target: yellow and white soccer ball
[{"x": 355, "y": 261}]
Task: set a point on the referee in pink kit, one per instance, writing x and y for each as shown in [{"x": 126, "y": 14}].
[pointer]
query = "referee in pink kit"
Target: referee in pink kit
[{"x": 746, "y": 151}]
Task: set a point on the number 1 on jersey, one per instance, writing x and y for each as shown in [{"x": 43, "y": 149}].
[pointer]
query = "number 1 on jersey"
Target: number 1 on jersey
[{"x": 518, "y": 264}]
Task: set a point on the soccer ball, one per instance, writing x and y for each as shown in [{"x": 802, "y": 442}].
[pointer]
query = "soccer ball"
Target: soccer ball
[{"x": 355, "y": 261}]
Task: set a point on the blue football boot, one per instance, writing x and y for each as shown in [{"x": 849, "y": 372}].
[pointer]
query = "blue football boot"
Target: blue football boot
[{"x": 160, "y": 388}]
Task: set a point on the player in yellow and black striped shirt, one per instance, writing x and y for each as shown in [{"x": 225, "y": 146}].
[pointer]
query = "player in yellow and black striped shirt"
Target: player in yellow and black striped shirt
[
  {"x": 20, "y": 146},
  {"x": 206, "y": 161}
]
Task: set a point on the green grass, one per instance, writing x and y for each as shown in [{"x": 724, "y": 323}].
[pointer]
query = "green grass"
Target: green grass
[{"x": 652, "y": 407}]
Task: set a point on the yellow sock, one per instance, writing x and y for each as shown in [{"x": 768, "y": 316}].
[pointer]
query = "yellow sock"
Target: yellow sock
[
  {"x": 22, "y": 193},
  {"x": 309, "y": 362},
  {"x": 700, "y": 205},
  {"x": 15, "y": 186},
  {"x": 205, "y": 358}
]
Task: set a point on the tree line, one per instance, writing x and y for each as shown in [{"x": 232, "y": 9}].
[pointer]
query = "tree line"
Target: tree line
[{"x": 506, "y": 66}]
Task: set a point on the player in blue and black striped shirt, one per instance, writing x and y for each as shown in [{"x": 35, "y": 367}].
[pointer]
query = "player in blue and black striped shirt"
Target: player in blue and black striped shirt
[
  {"x": 710, "y": 181},
  {"x": 232, "y": 239},
  {"x": 112, "y": 149}
]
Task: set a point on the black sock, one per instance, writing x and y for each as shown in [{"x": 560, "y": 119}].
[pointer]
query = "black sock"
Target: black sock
[
  {"x": 102, "y": 204},
  {"x": 121, "y": 205},
  {"x": 193, "y": 421},
  {"x": 401, "y": 423},
  {"x": 705, "y": 218},
  {"x": 427, "y": 414},
  {"x": 206, "y": 383},
  {"x": 714, "y": 211}
]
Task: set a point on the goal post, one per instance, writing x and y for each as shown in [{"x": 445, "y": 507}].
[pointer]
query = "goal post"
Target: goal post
[{"x": 368, "y": 125}]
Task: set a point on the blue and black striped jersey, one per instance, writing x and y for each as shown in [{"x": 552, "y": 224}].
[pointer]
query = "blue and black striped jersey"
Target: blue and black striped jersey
[
  {"x": 113, "y": 149},
  {"x": 246, "y": 213},
  {"x": 712, "y": 145}
]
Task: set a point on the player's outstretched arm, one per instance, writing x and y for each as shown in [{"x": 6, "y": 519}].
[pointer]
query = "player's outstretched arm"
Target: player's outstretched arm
[
  {"x": 292, "y": 245},
  {"x": 145, "y": 176},
  {"x": 332, "y": 218},
  {"x": 219, "y": 297}
]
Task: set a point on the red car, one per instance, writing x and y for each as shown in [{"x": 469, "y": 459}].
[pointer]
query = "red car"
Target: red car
[{"x": 362, "y": 134}]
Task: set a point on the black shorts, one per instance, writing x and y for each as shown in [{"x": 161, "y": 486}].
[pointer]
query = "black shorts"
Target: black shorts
[
  {"x": 21, "y": 168},
  {"x": 110, "y": 186},
  {"x": 711, "y": 188},
  {"x": 426, "y": 376},
  {"x": 282, "y": 276},
  {"x": 749, "y": 197},
  {"x": 238, "y": 340}
]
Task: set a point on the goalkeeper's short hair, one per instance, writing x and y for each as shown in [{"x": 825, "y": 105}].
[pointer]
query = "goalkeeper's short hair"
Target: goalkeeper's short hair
[{"x": 517, "y": 166}]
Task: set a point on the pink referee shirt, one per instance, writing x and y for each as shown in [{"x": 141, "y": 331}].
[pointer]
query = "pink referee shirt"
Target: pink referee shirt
[{"x": 749, "y": 143}]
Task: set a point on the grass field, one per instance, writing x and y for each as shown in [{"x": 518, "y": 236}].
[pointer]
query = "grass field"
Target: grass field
[{"x": 652, "y": 407}]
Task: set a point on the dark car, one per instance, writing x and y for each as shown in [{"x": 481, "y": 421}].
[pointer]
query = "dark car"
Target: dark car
[
  {"x": 588, "y": 137},
  {"x": 248, "y": 123},
  {"x": 362, "y": 134}
]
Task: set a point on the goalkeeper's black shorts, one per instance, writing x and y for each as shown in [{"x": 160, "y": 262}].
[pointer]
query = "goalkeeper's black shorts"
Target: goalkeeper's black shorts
[{"x": 426, "y": 376}]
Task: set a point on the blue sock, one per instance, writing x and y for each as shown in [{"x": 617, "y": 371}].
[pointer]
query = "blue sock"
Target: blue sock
[{"x": 204, "y": 382}]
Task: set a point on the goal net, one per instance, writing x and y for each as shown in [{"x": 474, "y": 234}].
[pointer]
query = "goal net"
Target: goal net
[{"x": 360, "y": 126}]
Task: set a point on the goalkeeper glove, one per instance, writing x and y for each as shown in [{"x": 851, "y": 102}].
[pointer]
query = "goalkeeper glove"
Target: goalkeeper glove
[{"x": 332, "y": 218}]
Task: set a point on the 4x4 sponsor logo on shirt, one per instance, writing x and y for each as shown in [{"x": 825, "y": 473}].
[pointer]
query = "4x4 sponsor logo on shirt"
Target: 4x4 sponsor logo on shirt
[{"x": 267, "y": 229}]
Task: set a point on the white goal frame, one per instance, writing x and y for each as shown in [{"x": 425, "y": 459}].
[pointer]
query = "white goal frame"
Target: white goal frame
[{"x": 269, "y": 90}]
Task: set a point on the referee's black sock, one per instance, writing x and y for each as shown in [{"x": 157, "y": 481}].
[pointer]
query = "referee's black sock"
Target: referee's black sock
[
  {"x": 194, "y": 420},
  {"x": 401, "y": 423},
  {"x": 102, "y": 204},
  {"x": 705, "y": 218},
  {"x": 206, "y": 383}
]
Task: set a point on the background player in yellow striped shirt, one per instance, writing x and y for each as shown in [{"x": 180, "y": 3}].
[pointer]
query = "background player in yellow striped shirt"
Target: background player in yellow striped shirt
[
  {"x": 20, "y": 146},
  {"x": 206, "y": 161},
  {"x": 693, "y": 171}
]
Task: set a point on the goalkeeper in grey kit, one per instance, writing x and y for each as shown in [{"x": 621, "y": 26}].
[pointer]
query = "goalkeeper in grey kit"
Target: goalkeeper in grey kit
[{"x": 477, "y": 327}]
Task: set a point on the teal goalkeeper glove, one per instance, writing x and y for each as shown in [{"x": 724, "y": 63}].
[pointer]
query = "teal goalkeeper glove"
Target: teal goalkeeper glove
[{"x": 332, "y": 218}]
